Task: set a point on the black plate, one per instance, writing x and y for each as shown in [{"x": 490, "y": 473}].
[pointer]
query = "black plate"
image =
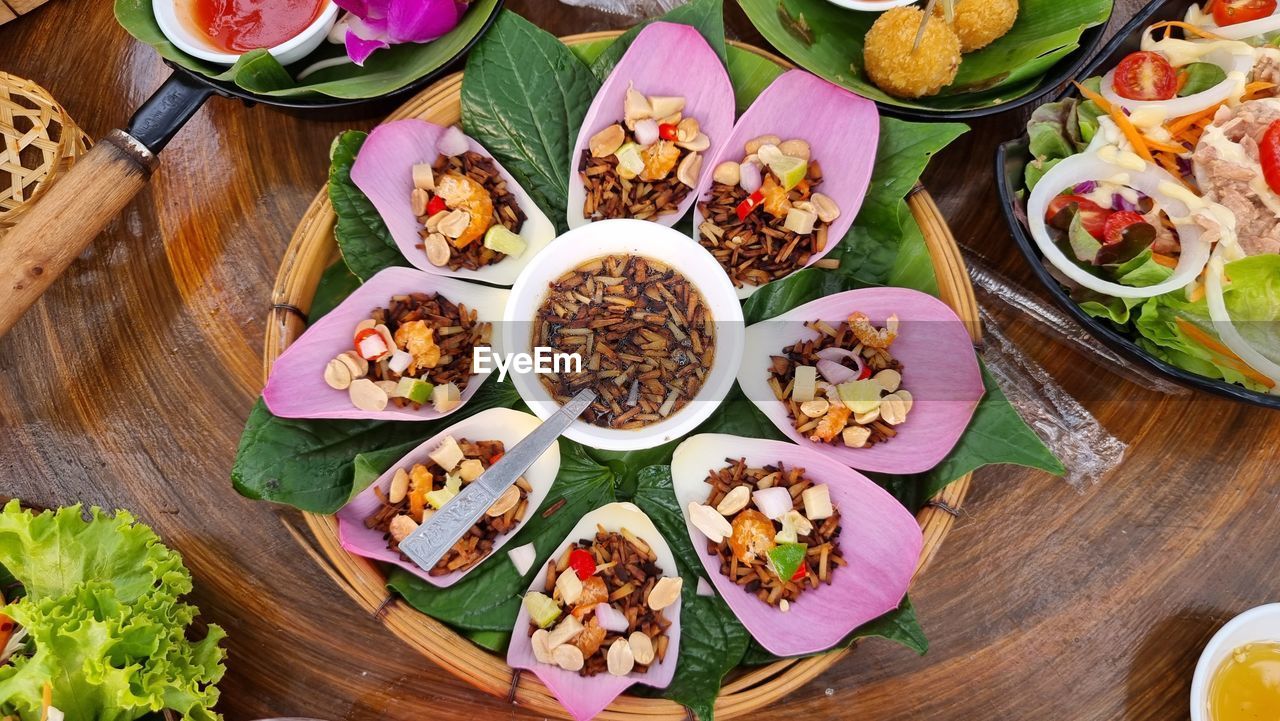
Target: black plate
[
  {"x": 1053, "y": 82},
  {"x": 1011, "y": 159}
]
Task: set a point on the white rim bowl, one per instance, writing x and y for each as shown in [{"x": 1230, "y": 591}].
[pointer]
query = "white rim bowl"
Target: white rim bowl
[
  {"x": 1256, "y": 625},
  {"x": 649, "y": 240},
  {"x": 288, "y": 52},
  {"x": 871, "y": 6}
]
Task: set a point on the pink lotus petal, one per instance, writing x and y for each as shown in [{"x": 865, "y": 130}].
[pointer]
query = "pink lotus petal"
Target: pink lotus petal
[
  {"x": 384, "y": 172},
  {"x": 940, "y": 370},
  {"x": 495, "y": 424},
  {"x": 296, "y": 387},
  {"x": 665, "y": 59},
  {"x": 880, "y": 541},
  {"x": 584, "y": 698},
  {"x": 842, "y": 130}
]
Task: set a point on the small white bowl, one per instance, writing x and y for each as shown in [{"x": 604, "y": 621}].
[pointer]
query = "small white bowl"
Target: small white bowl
[
  {"x": 871, "y": 6},
  {"x": 649, "y": 240},
  {"x": 191, "y": 43},
  {"x": 1261, "y": 624}
]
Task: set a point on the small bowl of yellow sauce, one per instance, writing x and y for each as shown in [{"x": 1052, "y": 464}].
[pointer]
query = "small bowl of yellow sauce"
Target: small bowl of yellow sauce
[{"x": 1238, "y": 675}]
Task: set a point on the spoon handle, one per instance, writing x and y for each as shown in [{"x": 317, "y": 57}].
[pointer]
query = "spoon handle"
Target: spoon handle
[{"x": 430, "y": 541}]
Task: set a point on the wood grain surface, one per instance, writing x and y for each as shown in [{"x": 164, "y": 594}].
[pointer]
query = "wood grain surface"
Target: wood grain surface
[{"x": 127, "y": 386}]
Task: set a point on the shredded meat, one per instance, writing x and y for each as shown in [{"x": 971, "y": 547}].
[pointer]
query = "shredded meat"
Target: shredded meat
[
  {"x": 1228, "y": 178},
  {"x": 1267, "y": 69}
]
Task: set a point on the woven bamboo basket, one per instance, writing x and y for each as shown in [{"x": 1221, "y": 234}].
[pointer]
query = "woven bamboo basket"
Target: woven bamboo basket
[
  {"x": 312, "y": 249},
  {"x": 38, "y": 142}
]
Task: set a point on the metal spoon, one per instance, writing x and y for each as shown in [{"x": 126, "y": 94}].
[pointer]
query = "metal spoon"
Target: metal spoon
[{"x": 429, "y": 542}]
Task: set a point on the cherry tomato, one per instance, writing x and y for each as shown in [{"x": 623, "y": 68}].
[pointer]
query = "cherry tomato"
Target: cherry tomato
[
  {"x": 1113, "y": 232},
  {"x": 435, "y": 205},
  {"x": 1145, "y": 76},
  {"x": 1269, "y": 156},
  {"x": 752, "y": 535},
  {"x": 751, "y": 203},
  {"x": 1093, "y": 217},
  {"x": 667, "y": 131},
  {"x": 370, "y": 344},
  {"x": 583, "y": 563},
  {"x": 1234, "y": 12}
]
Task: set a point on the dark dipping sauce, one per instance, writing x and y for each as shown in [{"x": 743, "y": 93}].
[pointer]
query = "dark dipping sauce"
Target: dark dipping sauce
[{"x": 238, "y": 26}]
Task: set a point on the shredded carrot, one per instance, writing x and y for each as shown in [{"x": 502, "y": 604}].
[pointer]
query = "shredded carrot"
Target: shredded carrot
[
  {"x": 1100, "y": 101},
  {"x": 6, "y": 629},
  {"x": 46, "y": 701},
  {"x": 1186, "y": 122},
  {"x": 1198, "y": 335},
  {"x": 1183, "y": 77},
  {"x": 1254, "y": 90},
  {"x": 1186, "y": 28},
  {"x": 1157, "y": 146},
  {"x": 1122, "y": 121},
  {"x": 1167, "y": 261}
]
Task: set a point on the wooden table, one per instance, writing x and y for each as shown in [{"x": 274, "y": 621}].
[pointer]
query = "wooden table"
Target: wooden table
[{"x": 128, "y": 384}]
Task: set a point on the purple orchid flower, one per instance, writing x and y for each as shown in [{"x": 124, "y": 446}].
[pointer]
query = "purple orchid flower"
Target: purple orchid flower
[{"x": 377, "y": 24}]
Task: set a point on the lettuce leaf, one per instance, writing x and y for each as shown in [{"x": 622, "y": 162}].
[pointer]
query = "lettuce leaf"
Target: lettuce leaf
[
  {"x": 105, "y": 625},
  {"x": 1253, "y": 301}
]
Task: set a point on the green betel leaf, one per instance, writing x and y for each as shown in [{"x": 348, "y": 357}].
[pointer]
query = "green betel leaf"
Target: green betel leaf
[
  {"x": 524, "y": 95},
  {"x": 309, "y": 464},
  {"x": 384, "y": 72},
  {"x": 705, "y": 15},
  {"x": 488, "y": 598},
  {"x": 997, "y": 434},
  {"x": 362, "y": 236},
  {"x": 712, "y": 640},
  {"x": 828, "y": 40},
  {"x": 336, "y": 283}
]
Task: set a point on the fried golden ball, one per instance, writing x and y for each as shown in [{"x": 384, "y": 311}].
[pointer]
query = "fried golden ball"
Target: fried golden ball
[
  {"x": 979, "y": 23},
  {"x": 896, "y": 68}
]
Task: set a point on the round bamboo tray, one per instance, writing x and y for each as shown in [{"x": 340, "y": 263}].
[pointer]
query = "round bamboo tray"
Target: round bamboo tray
[{"x": 312, "y": 249}]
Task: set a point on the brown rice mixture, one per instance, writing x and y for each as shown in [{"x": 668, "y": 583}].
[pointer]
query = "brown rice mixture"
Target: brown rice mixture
[
  {"x": 626, "y": 573},
  {"x": 643, "y": 331},
  {"x": 826, "y": 418},
  {"x": 408, "y": 497},
  {"x": 758, "y": 249},
  {"x": 644, "y": 165},
  {"x": 453, "y": 328},
  {"x": 488, "y": 196},
  {"x": 743, "y": 555}
]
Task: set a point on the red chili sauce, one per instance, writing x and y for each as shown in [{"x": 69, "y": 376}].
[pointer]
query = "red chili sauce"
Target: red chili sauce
[{"x": 238, "y": 26}]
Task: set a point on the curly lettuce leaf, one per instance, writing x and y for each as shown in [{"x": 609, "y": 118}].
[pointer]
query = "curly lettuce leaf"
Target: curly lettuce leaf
[{"x": 106, "y": 630}]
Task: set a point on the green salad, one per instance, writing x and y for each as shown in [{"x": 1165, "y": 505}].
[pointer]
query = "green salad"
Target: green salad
[{"x": 92, "y": 625}]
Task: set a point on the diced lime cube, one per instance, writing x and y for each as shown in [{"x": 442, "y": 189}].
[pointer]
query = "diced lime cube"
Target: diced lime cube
[
  {"x": 499, "y": 238},
  {"x": 414, "y": 389}
]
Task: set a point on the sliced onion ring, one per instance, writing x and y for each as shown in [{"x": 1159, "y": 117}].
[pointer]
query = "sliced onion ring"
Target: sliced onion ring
[
  {"x": 1227, "y": 330},
  {"x": 1239, "y": 31},
  {"x": 1203, "y": 100},
  {"x": 832, "y": 367},
  {"x": 1087, "y": 166}
]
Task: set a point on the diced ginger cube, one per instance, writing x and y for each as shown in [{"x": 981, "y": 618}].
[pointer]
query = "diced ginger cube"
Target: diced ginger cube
[
  {"x": 470, "y": 469},
  {"x": 817, "y": 502},
  {"x": 448, "y": 455}
]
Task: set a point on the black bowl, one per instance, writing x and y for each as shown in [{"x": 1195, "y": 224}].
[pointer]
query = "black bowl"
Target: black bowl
[
  {"x": 1011, "y": 159},
  {"x": 1054, "y": 82}
]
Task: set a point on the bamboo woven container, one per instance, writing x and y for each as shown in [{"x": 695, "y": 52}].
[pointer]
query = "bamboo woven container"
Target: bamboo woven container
[
  {"x": 38, "y": 142},
  {"x": 312, "y": 249}
]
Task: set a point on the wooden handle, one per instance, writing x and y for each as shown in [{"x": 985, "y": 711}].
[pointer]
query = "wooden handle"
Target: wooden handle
[{"x": 65, "y": 218}]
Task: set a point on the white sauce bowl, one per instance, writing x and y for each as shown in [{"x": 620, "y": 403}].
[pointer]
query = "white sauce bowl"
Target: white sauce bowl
[
  {"x": 1256, "y": 625},
  {"x": 649, "y": 240},
  {"x": 169, "y": 15}
]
